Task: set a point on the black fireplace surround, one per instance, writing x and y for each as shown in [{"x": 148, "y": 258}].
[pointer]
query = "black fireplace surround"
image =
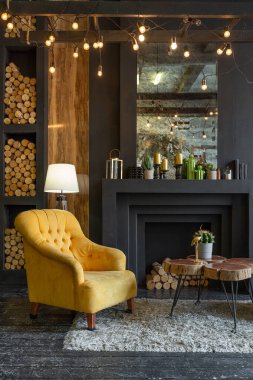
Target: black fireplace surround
[{"x": 151, "y": 220}]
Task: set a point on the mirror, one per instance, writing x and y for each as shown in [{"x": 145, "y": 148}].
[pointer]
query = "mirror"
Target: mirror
[{"x": 175, "y": 111}]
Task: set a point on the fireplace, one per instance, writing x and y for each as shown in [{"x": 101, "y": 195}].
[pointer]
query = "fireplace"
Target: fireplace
[{"x": 151, "y": 220}]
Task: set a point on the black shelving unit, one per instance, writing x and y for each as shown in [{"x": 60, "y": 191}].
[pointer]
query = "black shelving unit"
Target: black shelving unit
[{"x": 33, "y": 62}]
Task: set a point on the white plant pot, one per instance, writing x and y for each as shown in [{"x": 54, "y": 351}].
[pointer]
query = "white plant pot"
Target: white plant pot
[
  {"x": 211, "y": 174},
  {"x": 149, "y": 174},
  {"x": 205, "y": 251}
]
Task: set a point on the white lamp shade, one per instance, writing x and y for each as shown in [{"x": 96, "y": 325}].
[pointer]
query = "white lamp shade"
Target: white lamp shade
[{"x": 61, "y": 178}]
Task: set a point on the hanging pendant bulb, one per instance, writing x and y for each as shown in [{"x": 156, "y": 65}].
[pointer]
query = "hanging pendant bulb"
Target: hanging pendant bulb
[
  {"x": 142, "y": 28},
  {"x": 76, "y": 54},
  {"x": 95, "y": 45},
  {"x": 211, "y": 113},
  {"x": 51, "y": 38},
  {"x": 186, "y": 52},
  {"x": 229, "y": 50},
  {"x": 171, "y": 131},
  {"x": 227, "y": 32},
  {"x": 100, "y": 42},
  {"x": 10, "y": 24},
  {"x": 135, "y": 44},
  {"x": 75, "y": 24},
  {"x": 100, "y": 71},
  {"x": 86, "y": 44},
  {"x": 173, "y": 44},
  {"x": 141, "y": 37},
  {"x": 203, "y": 135},
  {"x": 148, "y": 124},
  {"x": 158, "y": 117},
  {"x": 52, "y": 69},
  {"x": 48, "y": 43},
  {"x": 220, "y": 50},
  {"x": 203, "y": 85}
]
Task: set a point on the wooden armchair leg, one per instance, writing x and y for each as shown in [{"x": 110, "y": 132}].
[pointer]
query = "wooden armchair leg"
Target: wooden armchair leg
[
  {"x": 91, "y": 321},
  {"x": 34, "y": 310},
  {"x": 131, "y": 305}
]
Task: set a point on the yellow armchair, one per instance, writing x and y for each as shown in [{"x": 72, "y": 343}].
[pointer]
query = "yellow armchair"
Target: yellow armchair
[{"x": 66, "y": 269}]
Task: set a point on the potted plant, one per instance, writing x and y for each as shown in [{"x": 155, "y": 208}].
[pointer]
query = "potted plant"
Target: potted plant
[
  {"x": 203, "y": 240},
  {"x": 211, "y": 171},
  {"x": 148, "y": 166}
]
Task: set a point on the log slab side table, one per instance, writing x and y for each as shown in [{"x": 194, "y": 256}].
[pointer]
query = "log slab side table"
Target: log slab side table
[
  {"x": 248, "y": 262},
  {"x": 183, "y": 268},
  {"x": 229, "y": 272}
]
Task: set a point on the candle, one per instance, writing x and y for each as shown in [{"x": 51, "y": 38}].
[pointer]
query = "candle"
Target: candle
[
  {"x": 178, "y": 159},
  {"x": 157, "y": 159},
  {"x": 164, "y": 164}
]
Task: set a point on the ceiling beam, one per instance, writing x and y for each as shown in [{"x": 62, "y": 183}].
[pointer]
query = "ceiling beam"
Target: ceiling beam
[
  {"x": 169, "y": 9},
  {"x": 116, "y": 36},
  {"x": 171, "y": 111},
  {"x": 188, "y": 77},
  {"x": 176, "y": 96}
]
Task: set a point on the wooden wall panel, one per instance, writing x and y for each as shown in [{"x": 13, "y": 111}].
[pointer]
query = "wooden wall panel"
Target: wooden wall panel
[{"x": 68, "y": 134}]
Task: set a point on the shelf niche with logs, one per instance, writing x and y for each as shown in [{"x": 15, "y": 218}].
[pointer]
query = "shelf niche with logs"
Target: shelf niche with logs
[{"x": 23, "y": 145}]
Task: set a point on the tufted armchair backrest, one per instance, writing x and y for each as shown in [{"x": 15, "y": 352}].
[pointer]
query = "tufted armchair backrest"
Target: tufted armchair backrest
[{"x": 55, "y": 227}]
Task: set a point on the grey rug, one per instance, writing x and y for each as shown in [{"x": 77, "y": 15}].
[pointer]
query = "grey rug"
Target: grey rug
[{"x": 193, "y": 328}]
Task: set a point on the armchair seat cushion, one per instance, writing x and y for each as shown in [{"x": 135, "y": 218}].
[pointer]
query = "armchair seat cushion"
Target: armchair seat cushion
[{"x": 107, "y": 288}]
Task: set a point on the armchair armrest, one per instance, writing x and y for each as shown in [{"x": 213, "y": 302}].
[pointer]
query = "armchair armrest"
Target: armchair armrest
[{"x": 95, "y": 257}]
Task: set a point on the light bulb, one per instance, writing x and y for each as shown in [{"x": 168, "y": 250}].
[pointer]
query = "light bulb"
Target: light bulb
[
  {"x": 100, "y": 43},
  {"x": 229, "y": 50},
  {"x": 173, "y": 44},
  {"x": 211, "y": 113},
  {"x": 148, "y": 124},
  {"x": 227, "y": 33},
  {"x": 135, "y": 45},
  {"x": 95, "y": 45},
  {"x": 52, "y": 69},
  {"x": 100, "y": 71},
  {"x": 86, "y": 45},
  {"x": 141, "y": 37},
  {"x": 158, "y": 117},
  {"x": 48, "y": 43},
  {"x": 176, "y": 115},
  {"x": 203, "y": 85},
  {"x": 10, "y": 25},
  {"x": 142, "y": 29},
  {"x": 206, "y": 118},
  {"x": 4, "y": 16},
  {"x": 171, "y": 131},
  {"x": 51, "y": 38},
  {"x": 75, "y": 24},
  {"x": 186, "y": 52},
  {"x": 203, "y": 135},
  {"x": 220, "y": 50},
  {"x": 75, "y": 54}
]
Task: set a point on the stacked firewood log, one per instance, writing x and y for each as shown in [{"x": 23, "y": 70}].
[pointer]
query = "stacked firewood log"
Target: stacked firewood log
[
  {"x": 20, "y": 168},
  {"x": 20, "y": 24},
  {"x": 20, "y": 97},
  {"x": 13, "y": 249},
  {"x": 161, "y": 278}
]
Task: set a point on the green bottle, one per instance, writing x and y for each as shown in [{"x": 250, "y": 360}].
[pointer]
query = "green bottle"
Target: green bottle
[
  {"x": 191, "y": 167},
  {"x": 199, "y": 172}
]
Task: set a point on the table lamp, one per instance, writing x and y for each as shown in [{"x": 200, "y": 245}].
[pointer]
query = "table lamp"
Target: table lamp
[{"x": 62, "y": 179}]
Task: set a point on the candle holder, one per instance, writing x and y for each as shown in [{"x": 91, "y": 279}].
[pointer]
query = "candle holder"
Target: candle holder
[
  {"x": 178, "y": 171},
  {"x": 163, "y": 174},
  {"x": 156, "y": 171}
]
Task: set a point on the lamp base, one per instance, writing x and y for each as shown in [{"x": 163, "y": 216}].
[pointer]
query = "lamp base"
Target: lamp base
[{"x": 61, "y": 202}]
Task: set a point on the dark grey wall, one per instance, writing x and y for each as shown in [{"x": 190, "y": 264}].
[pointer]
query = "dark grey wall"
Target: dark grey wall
[
  {"x": 235, "y": 102},
  {"x": 104, "y": 115},
  {"x": 113, "y": 115}
]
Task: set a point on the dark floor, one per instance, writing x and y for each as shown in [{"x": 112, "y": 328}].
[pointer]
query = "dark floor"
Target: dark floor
[{"x": 33, "y": 349}]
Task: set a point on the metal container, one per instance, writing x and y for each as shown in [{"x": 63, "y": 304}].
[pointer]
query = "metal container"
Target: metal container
[{"x": 114, "y": 166}]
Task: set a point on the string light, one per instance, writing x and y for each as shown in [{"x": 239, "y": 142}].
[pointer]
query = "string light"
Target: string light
[
  {"x": 148, "y": 124},
  {"x": 86, "y": 44},
  {"x": 206, "y": 118},
  {"x": 171, "y": 131},
  {"x": 176, "y": 115},
  {"x": 52, "y": 69},
  {"x": 211, "y": 113},
  {"x": 158, "y": 117},
  {"x": 100, "y": 71},
  {"x": 173, "y": 44},
  {"x": 100, "y": 42},
  {"x": 142, "y": 28},
  {"x": 48, "y": 43},
  {"x": 75, "y": 24},
  {"x": 10, "y": 24},
  {"x": 203, "y": 85},
  {"x": 227, "y": 32},
  {"x": 51, "y": 38},
  {"x": 141, "y": 37},
  {"x": 204, "y": 135},
  {"x": 75, "y": 53},
  {"x": 95, "y": 45},
  {"x": 4, "y": 16},
  {"x": 186, "y": 52},
  {"x": 52, "y": 65},
  {"x": 229, "y": 50},
  {"x": 221, "y": 49},
  {"x": 135, "y": 44}
]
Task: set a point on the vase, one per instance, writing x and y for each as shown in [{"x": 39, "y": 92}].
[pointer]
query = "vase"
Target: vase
[
  {"x": 205, "y": 251},
  {"x": 149, "y": 174},
  {"x": 211, "y": 174}
]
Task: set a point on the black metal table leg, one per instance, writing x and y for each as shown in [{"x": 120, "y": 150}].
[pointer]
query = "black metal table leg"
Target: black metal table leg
[
  {"x": 233, "y": 303},
  {"x": 200, "y": 288},
  {"x": 177, "y": 294},
  {"x": 249, "y": 288}
]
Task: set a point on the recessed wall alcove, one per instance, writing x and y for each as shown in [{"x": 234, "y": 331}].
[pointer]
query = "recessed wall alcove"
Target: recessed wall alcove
[{"x": 151, "y": 220}]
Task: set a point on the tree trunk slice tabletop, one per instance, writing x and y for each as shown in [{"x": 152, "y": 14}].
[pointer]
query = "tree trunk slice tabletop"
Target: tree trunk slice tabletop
[
  {"x": 242, "y": 260},
  {"x": 227, "y": 272},
  {"x": 215, "y": 259},
  {"x": 186, "y": 267}
]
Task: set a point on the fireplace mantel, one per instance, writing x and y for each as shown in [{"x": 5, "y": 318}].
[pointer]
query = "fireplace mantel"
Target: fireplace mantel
[{"x": 129, "y": 204}]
